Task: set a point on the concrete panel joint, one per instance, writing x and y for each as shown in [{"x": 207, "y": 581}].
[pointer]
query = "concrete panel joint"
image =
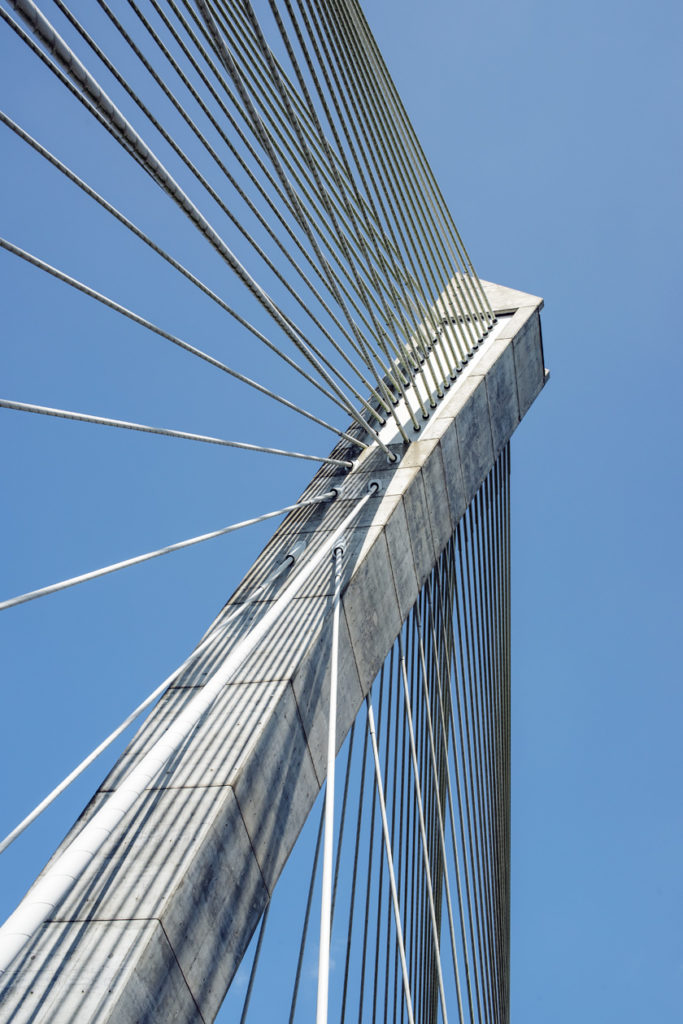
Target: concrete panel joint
[{"x": 164, "y": 914}]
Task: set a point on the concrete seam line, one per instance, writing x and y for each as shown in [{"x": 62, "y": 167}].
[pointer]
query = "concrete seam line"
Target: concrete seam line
[{"x": 58, "y": 880}]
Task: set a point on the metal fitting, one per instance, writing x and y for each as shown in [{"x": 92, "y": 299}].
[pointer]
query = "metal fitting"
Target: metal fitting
[{"x": 296, "y": 549}]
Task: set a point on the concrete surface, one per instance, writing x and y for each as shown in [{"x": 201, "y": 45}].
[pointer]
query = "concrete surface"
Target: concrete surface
[{"x": 156, "y": 927}]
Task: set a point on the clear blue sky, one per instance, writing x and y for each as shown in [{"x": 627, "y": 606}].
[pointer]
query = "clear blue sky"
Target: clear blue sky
[{"x": 554, "y": 132}]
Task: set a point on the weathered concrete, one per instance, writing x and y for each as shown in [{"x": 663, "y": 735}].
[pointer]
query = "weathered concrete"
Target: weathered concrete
[
  {"x": 156, "y": 927},
  {"x": 62, "y": 979}
]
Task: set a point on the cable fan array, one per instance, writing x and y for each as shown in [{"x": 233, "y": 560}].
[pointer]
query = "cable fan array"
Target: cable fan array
[
  {"x": 276, "y": 132},
  {"x": 425, "y": 808},
  {"x": 313, "y": 161}
]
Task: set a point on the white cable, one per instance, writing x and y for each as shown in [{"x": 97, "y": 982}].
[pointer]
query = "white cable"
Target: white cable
[
  {"x": 93, "y": 755},
  {"x": 326, "y": 898},
  {"x": 137, "y": 319},
  {"x": 75, "y": 580},
  {"x": 105, "y": 421},
  {"x": 439, "y": 808},
  {"x": 390, "y": 862},
  {"x": 58, "y": 879},
  {"x": 134, "y": 143}
]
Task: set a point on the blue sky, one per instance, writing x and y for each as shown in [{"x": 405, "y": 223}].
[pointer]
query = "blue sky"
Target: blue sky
[{"x": 553, "y": 131}]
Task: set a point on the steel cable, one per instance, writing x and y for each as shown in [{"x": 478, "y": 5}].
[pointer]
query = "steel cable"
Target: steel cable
[
  {"x": 307, "y": 344},
  {"x": 137, "y": 559},
  {"x": 269, "y": 146},
  {"x": 234, "y": 73},
  {"x": 165, "y": 432},
  {"x": 89, "y": 191},
  {"x": 142, "y": 322},
  {"x": 56, "y": 45}
]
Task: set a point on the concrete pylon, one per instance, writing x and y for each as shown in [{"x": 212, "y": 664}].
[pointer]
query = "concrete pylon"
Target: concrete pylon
[{"x": 157, "y": 925}]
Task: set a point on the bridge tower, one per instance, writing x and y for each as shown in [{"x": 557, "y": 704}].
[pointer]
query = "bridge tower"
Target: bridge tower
[{"x": 386, "y": 586}]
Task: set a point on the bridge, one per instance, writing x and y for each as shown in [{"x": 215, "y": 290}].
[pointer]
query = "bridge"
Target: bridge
[{"x": 372, "y": 634}]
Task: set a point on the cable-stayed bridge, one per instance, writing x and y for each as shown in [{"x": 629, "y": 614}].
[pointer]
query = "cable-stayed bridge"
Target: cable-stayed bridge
[{"x": 376, "y": 620}]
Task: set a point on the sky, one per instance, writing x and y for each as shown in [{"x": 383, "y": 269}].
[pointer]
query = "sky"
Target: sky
[{"x": 552, "y": 130}]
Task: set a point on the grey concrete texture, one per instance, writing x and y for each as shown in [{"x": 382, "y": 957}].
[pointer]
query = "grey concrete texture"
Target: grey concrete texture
[
  {"x": 402, "y": 562},
  {"x": 455, "y": 484},
  {"x": 370, "y": 606},
  {"x": 104, "y": 972},
  {"x": 509, "y": 300},
  {"x": 312, "y": 686},
  {"x": 528, "y": 352},
  {"x": 189, "y": 846},
  {"x": 475, "y": 441},
  {"x": 191, "y": 867}
]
